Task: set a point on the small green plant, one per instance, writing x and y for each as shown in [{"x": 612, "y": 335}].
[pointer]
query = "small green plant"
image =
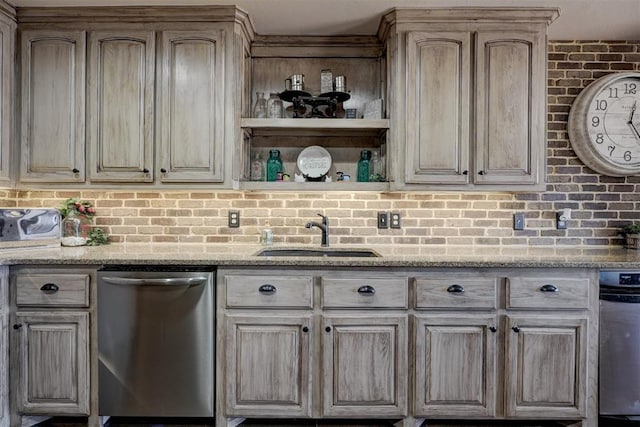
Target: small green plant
[
  {"x": 82, "y": 207},
  {"x": 630, "y": 229},
  {"x": 97, "y": 237}
]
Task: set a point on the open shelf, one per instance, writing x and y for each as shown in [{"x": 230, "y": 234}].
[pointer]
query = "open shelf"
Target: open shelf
[
  {"x": 343, "y": 127},
  {"x": 314, "y": 186}
]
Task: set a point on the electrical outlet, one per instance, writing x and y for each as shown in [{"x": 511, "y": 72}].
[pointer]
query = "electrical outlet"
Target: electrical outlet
[
  {"x": 395, "y": 220},
  {"x": 561, "y": 221},
  {"x": 518, "y": 221},
  {"x": 234, "y": 219},
  {"x": 383, "y": 220}
]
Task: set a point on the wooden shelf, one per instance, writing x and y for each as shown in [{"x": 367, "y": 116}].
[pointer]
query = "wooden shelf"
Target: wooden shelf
[
  {"x": 314, "y": 186},
  {"x": 317, "y": 127}
]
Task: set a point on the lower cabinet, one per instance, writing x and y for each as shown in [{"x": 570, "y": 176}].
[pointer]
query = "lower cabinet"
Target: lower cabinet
[
  {"x": 50, "y": 332},
  {"x": 508, "y": 344},
  {"x": 268, "y": 365},
  {"x": 53, "y": 362},
  {"x": 546, "y": 365},
  {"x": 455, "y": 365}
]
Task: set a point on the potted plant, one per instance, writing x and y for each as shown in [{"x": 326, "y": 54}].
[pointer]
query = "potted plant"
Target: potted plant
[
  {"x": 631, "y": 233},
  {"x": 77, "y": 228}
]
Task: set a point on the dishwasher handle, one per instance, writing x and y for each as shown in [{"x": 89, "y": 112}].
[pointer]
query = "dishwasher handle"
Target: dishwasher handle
[{"x": 160, "y": 281}]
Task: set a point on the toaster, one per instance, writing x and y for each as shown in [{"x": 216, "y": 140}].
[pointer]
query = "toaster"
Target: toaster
[{"x": 24, "y": 228}]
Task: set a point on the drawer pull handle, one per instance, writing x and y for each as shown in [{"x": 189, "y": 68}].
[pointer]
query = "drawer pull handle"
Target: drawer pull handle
[
  {"x": 493, "y": 329},
  {"x": 516, "y": 329},
  {"x": 267, "y": 289},
  {"x": 549, "y": 288},
  {"x": 455, "y": 289},
  {"x": 366, "y": 290},
  {"x": 49, "y": 288}
]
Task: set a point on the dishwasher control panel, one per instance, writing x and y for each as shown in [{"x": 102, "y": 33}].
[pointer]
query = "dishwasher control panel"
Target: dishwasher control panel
[{"x": 620, "y": 278}]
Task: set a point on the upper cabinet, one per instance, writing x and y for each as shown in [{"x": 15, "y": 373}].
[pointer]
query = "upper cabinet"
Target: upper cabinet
[
  {"x": 468, "y": 93},
  {"x": 7, "y": 94},
  {"x": 160, "y": 103},
  {"x": 120, "y": 106},
  {"x": 52, "y": 106}
]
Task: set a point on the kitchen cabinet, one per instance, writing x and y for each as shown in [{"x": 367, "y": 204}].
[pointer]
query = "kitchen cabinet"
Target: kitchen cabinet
[
  {"x": 52, "y": 120},
  {"x": 120, "y": 105},
  {"x": 4, "y": 346},
  {"x": 275, "y": 58},
  {"x": 469, "y": 97},
  {"x": 282, "y": 360},
  {"x": 159, "y": 109},
  {"x": 50, "y": 345},
  {"x": 7, "y": 95}
]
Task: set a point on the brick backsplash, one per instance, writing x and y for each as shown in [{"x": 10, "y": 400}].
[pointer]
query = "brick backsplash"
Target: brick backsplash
[{"x": 599, "y": 204}]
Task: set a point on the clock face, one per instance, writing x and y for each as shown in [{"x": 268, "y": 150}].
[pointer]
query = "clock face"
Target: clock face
[
  {"x": 614, "y": 122},
  {"x": 604, "y": 125}
]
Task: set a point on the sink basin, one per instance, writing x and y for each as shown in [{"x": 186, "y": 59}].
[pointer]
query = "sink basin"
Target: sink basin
[{"x": 361, "y": 253}]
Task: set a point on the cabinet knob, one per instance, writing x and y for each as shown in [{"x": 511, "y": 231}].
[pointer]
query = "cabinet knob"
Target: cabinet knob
[
  {"x": 75, "y": 170},
  {"x": 163, "y": 170},
  {"x": 305, "y": 329},
  {"x": 17, "y": 326},
  {"x": 493, "y": 329},
  {"x": 328, "y": 329},
  {"x": 455, "y": 289},
  {"x": 267, "y": 289},
  {"x": 515, "y": 329},
  {"x": 549, "y": 288},
  {"x": 465, "y": 172},
  {"x": 49, "y": 288},
  {"x": 367, "y": 290},
  {"x": 145, "y": 170},
  {"x": 481, "y": 173}
]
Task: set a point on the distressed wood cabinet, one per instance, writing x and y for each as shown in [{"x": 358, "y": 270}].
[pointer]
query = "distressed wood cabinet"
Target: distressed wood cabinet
[
  {"x": 160, "y": 95},
  {"x": 52, "y": 119},
  {"x": 469, "y": 97},
  {"x": 4, "y": 346},
  {"x": 281, "y": 360},
  {"x": 51, "y": 351},
  {"x": 120, "y": 105}
]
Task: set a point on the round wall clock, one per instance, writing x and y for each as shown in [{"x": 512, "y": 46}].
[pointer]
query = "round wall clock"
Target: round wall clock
[{"x": 604, "y": 125}]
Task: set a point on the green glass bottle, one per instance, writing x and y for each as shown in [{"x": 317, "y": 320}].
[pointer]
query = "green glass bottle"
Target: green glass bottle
[
  {"x": 274, "y": 165},
  {"x": 363, "y": 166}
]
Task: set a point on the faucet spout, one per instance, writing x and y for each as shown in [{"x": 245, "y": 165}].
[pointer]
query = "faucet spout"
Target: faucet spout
[{"x": 324, "y": 227}]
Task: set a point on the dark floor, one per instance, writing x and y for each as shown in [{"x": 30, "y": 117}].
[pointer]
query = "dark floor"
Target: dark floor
[{"x": 147, "y": 422}]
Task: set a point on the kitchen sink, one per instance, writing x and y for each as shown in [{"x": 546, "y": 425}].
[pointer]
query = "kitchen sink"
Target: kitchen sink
[{"x": 361, "y": 253}]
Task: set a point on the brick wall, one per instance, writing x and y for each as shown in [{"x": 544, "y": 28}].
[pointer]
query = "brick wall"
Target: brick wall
[{"x": 600, "y": 204}]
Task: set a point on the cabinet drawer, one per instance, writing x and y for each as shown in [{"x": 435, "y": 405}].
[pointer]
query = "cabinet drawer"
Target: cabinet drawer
[
  {"x": 269, "y": 291},
  {"x": 450, "y": 292},
  {"x": 53, "y": 290},
  {"x": 364, "y": 292},
  {"x": 548, "y": 292}
]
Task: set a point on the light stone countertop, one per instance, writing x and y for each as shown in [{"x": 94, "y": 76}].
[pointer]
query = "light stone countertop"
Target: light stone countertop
[{"x": 189, "y": 254}]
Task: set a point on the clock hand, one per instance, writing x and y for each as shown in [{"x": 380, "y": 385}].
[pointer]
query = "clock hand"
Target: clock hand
[
  {"x": 635, "y": 129},
  {"x": 633, "y": 110}
]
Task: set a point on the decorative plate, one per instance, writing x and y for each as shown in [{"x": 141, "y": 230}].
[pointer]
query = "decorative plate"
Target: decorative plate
[{"x": 314, "y": 162}]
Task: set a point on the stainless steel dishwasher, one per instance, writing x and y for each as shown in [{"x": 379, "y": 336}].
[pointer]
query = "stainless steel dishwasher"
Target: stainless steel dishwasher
[{"x": 156, "y": 342}]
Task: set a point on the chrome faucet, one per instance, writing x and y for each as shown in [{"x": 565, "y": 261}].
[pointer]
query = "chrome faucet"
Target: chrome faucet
[{"x": 324, "y": 227}]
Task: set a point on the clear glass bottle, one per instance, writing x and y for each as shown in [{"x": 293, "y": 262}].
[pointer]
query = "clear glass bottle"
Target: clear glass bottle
[
  {"x": 376, "y": 170},
  {"x": 75, "y": 229},
  {"x": 274, "y": 165},
  {"x": 257, "y": 168},
  {"x": 260, "y": 107},
  {"x": 363, "y": 166},
  {"x": 275, "y": 107}
]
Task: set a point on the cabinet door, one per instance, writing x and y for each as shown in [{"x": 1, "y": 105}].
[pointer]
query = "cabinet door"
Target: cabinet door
[
  {"x": 437, "y": 107},
  {"x": 192, "y": 114},
  {"x": 510, "y": 107},
  {"x": 364, "y": 366},
  {"x": 7, "y": 96},
  {"x": 546, "y": 366},
  {"x": 52, "y": 362},
  {"x": 53, "y": 106},
  {"x": 455, "y": 365},
  {"x": 121, "y": 106},
  {"x": 268, "y": 366}
]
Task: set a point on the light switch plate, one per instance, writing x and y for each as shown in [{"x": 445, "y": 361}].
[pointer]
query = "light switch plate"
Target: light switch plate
[
  {"x": 383, "y": 220},
  {"x": 395, "y": 220},
  {"x": 518, "y": 221},
  {"x": 234, "y": 219}
]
